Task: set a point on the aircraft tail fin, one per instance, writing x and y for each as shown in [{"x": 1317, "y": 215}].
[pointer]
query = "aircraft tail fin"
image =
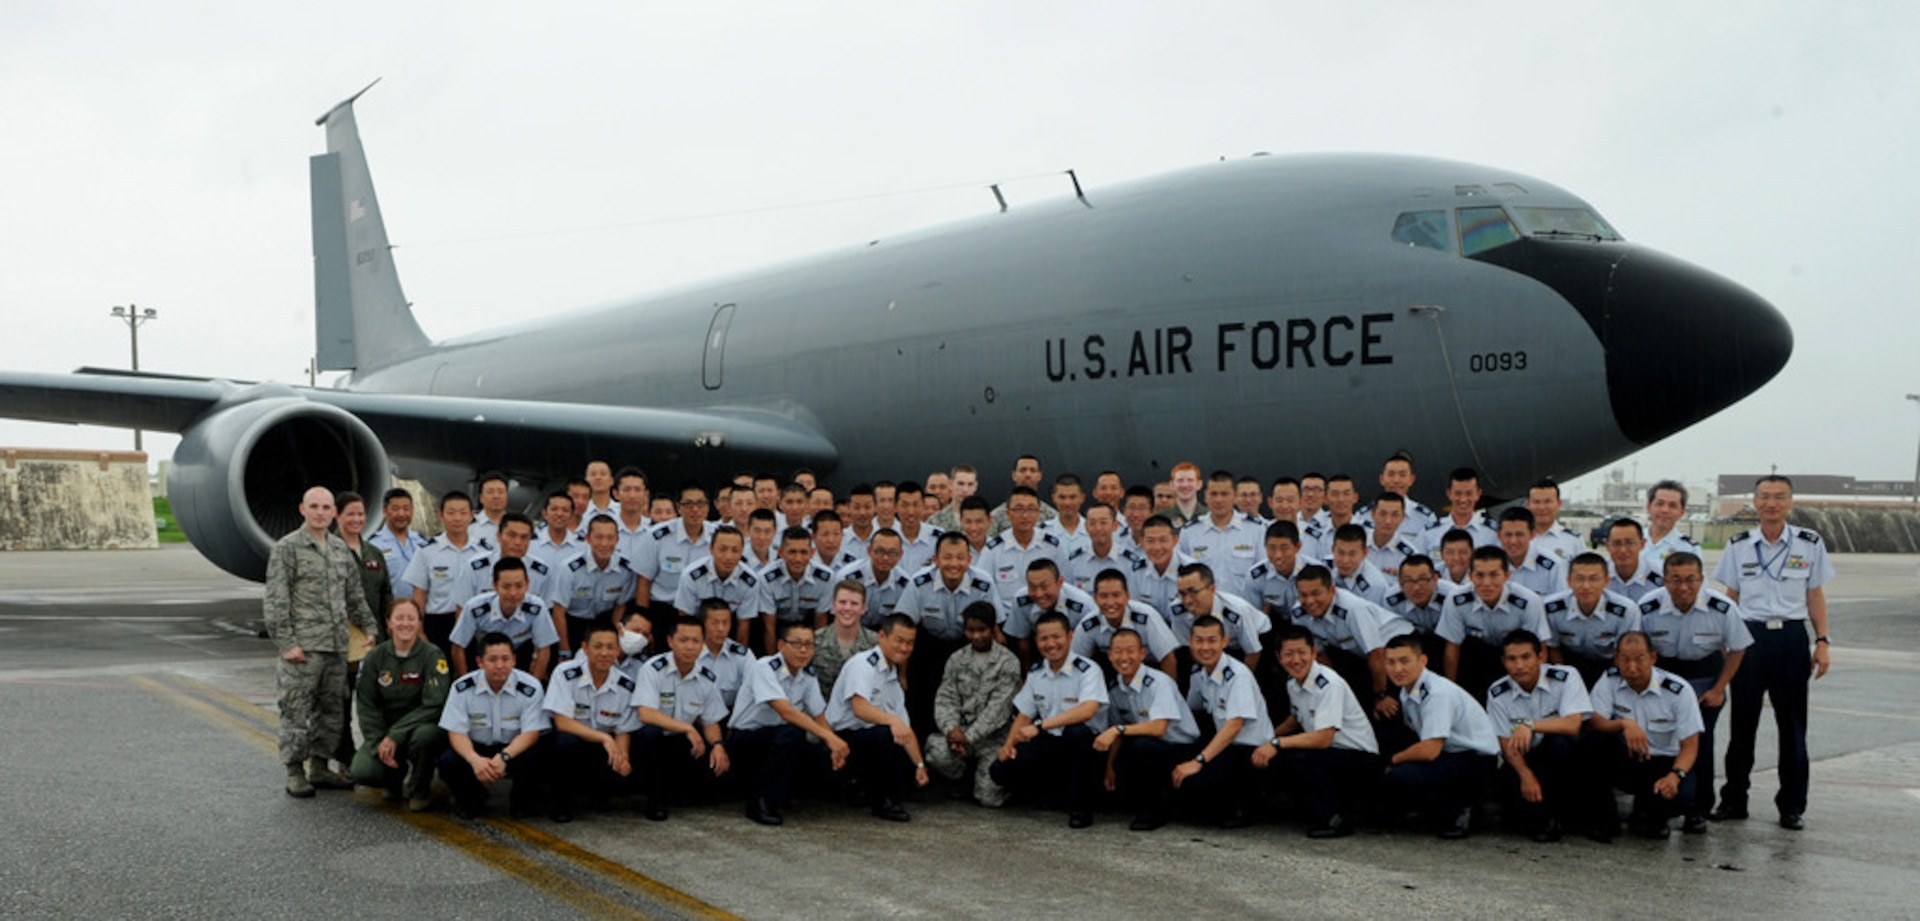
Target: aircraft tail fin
[{"x": 361, "y": 318}]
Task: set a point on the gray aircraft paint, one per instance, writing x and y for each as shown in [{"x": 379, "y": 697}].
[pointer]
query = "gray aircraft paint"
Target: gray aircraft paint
[{"x": 1254, "y": 315}]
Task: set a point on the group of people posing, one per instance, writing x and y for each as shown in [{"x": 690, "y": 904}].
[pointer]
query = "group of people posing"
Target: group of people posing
[{"x": 1200, "y": 648}]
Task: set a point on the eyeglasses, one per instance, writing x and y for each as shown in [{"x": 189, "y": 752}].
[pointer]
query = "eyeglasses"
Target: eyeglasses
[
  {"x": 799, "y": 644},
  {"x": 693, "y": 503},
  {"x": 1189, "y": 592}
]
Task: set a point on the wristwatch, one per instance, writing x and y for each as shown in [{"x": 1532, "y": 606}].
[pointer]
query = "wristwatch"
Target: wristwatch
[
  {"x": 1200, "y": 759},
  {"x": 1680, "y": 772},
  {"x": 1122, "y": 727},
  {"x": 1822, "y": 638},
  {"x": 505, "y": 757},
  {"x": 919, "y": 765}
]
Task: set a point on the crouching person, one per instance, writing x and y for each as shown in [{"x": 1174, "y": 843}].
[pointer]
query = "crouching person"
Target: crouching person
[
  {"x": 493, "y": 720},
  {"x": 400, "y": 695}
]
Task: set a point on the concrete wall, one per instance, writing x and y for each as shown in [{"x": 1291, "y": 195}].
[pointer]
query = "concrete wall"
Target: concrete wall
[{"x": 74, "y": 500}]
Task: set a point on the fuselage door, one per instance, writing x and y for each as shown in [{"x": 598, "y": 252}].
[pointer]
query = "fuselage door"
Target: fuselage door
[{"x": 711, "y": 366}]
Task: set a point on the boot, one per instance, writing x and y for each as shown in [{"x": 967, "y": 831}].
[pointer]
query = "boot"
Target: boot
[
  {"x": 323, "y": 776},
  {"x": 297, "y": 785}
]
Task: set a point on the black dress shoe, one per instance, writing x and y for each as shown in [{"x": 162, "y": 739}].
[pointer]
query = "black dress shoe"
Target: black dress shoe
[
  {"x": 891, "y": 811},
  {"x": 1728, "y": 813},
  {"x": 521, "y": 811},
  {"x": 1548, "y": 832},
  {"x": 1694, "y": 825},
  {"x": 1080, "y": 820},
  {"x": 1460, "y": 827},
  {"x": 561, "y": 815},
  {"x": 1147, "y": 821},
  {"x": 1603, "y": 832},
  {"x": 760, "y": 811},
  {"x": 1238, "y": 818},
  {"x": 656, "y": 812},
  {"x": 1793, "y": 821},
  {"x": 1336, "y": 827}
]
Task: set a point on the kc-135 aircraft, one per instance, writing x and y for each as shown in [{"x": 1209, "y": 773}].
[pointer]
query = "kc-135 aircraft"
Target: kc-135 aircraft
[{"x": 1256, "y": 315}]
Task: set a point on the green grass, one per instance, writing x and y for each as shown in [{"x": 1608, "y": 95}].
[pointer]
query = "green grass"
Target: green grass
[{"x": 165, "y": 526}]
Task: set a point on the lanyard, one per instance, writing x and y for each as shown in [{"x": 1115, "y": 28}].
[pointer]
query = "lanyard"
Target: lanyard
[{"x": 1776, "y": 568}]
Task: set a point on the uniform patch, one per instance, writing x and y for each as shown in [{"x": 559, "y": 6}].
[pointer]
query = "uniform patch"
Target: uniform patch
[
  {"x": 1081, "y": 665},
  {"x": 1320, "y": 681},
  {"x": 527, "y": 689},
  {"x": 625, "y": 683},
  {"x": 440, "y": 666},
  {"x": 575, "y": 563},
  {"x": 1649, "y": 607},
  {"x": 923, "y": 578},
  {"x": 1556, "y": 606},
  {"x": 1557, "y": 674},
  {"x": 1673, "y": 685},
  {"x": 1720, "y": 604},
  {"x": 464, "y": 685},
  {"x": 1500, "y": 687},
  {"x": 386, "y": 679}
]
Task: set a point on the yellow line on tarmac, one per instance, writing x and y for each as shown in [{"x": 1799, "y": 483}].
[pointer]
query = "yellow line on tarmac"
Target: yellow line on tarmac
[
  {"x": 619, "y": 873},
  {"x": 256, "y": 726}
]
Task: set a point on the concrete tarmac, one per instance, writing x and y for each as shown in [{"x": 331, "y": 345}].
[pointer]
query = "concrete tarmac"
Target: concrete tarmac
[{"x": 138, "y": 776}]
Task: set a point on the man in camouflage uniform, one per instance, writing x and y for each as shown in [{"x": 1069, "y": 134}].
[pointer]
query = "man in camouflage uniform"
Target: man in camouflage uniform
[
  {"x": 313, "y": 588},
  {"x": 974, "y": 707}
]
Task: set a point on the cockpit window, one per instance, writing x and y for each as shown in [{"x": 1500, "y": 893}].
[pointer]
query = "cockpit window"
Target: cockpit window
[
  {"x": 1422, "y": 228},
  {"x": 1563, "y": 222},
  {"x": 1482, "y": 229}
]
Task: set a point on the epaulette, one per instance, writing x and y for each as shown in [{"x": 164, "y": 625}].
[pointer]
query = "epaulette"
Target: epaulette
[
  {"x": 1556, "y": 673},
  {"x": 873, "y": 658},
  {"x": 1809, "y": 536},
  {"x": 530, "y": 608},
  {"x": 1196, "y": 668},
  {"x": 1021, "y": 601},
  {"x": 1078, "y": 552},
  {"x": 1050, "y": 537},
  {"x": 982, "y": 585},
  {"x": 1517, "y": 601},
  {"x": 697, "y": 572},
  {"x": 1720, "y": 604},
  {"x": 1613, "y": 670},
  {"x": 537, "y": 566},
  {"x": 1139, "y": 617},
  {"x": 773, "y": 662},
  {"x": 923, "y": 578},
  {"x": 1555, "y": 606},
  {"x": 1339, "y": 611},
  {"x": 810, "y": 669},
  {"x": 464, "y": 684},
  {"x": 574, "y": 564},
  {"x": 479, "y": 562},
  {"x": 1146, "y": 681},
  {"x": 480, "y": 610},
  {"x": 1616, "y": 609},
  {"x": 482, "y": 543},
  {"x": 660, "y": 661},
  {"x": 1074, "y": 605},
  {"x": 708, "y": 674},
  {"x": 1259, "y": 570},
  {"x": 1139, "y": 562},
  {"x": 625, "y": 683},
  {"x": 1360, "y": 582},
  {"x": 1396, "y": 597},
  {"x": 1743, "y": 535},
  {"x": 1092, "y": 622},
  {"x": 994, "y": 542},
  {"x": 823, "y": 574},
  {"x": 572, "y": 670},
  {"x": 661, "y": 532},
  {"x": 1320, "y": 681},
  {"x": 1081, "y": 665},
  {"x": 527, "y": 688},
  {"x": 1037, "y": 665},
  {"x": 1673, "y": 685},
  {"x": 1500, "y": 687},
  {"x": 1465, "y": 597},
  {"x": 1227, "y": 671},
  {"x": 733, "y": 646},
  {"x": 1649, "y": 606},
  {"x": 748, "y": 577},
  {"x": 1544, "y": 561}
]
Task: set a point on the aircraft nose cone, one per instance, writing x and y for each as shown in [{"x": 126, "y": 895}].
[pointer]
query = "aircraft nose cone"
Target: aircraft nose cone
[{"x": 1683, "y": 343}]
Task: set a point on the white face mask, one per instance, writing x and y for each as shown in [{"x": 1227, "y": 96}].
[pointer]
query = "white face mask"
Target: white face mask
[{"x": 633, "y": 644}]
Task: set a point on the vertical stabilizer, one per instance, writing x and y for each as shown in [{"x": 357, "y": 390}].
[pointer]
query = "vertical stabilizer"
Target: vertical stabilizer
[{"x": 361, "y": 318}]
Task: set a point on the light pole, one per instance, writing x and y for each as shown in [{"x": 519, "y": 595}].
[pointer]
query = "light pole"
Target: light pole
[
  {"x": 1915, "y": 397},
  {"x": 134, "y": 316}
]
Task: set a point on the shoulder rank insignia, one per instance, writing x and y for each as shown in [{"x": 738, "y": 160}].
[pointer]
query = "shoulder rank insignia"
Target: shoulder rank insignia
[
  {"x": 464, "y": 685},
  {"x": 1720, "y": 604},
  {"x": 1673, "y": 685}
]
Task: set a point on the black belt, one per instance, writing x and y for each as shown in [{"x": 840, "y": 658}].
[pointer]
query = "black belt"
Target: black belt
[{"x": 1708, "y": 667}]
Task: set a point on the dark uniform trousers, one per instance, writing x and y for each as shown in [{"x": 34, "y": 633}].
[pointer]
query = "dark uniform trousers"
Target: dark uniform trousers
[
  {"x": 1612, "y": 767},
  {"x": 1480, "y": 667},
  {"x": 666, "y": 765},
  {"x": 438, "y": 629},
  {"x": 1325, "y": 782},
  {"x": 770, "y": 757},
  {"x": 470, "y": 793},
  {"x": 576, "y": 765},
  {"x": 1777, "y": 665},
  {"x": 1701, "y": 674},
  {"x": 417, "y": 750},
  {"x": 1590, "y": 668},
  {"x": 882, "y": 766},
  {"x": 1440, "y": 788},
  {"x": 1219, "y": 790},
  {"x": 1048, "y": 765},
  {"x": 1552, "y": 761},
  {"x": 925, "y": 670},
  {"x": 1143, "y": 771}
]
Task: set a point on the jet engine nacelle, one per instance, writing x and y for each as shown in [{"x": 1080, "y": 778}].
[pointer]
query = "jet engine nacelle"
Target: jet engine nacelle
[{"x": 241, "y": 471}]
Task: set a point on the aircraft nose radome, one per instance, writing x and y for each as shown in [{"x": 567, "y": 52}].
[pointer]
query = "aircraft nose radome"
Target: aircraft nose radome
[{"x": 1684, "y": 343}]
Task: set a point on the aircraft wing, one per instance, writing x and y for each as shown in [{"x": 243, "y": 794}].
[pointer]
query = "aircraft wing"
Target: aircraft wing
[{"x": 518, "y": 436}]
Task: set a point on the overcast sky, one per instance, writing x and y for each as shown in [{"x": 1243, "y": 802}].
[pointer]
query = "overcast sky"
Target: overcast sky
[{"x": 539, "y": 157}]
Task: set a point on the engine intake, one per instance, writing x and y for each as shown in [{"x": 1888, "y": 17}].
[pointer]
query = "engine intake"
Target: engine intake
[{"x": 240, "y": 473}]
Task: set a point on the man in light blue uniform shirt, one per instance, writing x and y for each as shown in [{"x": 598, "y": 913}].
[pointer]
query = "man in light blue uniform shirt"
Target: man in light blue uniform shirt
[
  {"x": 779, "y": 706},
  {"x": 1057, "y": 712},
  {"x": 1441, "y": 773},
  {"x": 1150, "y": 728},
  {"x": 493, "y": 718}
]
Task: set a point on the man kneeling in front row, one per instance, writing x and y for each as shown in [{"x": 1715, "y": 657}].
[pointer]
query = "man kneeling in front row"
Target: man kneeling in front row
[
  {"x": 1325, "y": 751},
  {"x": 1644, "y": 738},
  {"x": 1049, "y": 750},
  {"x": 493, "y": 718},
  {"x": 779, "y": 706}
]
